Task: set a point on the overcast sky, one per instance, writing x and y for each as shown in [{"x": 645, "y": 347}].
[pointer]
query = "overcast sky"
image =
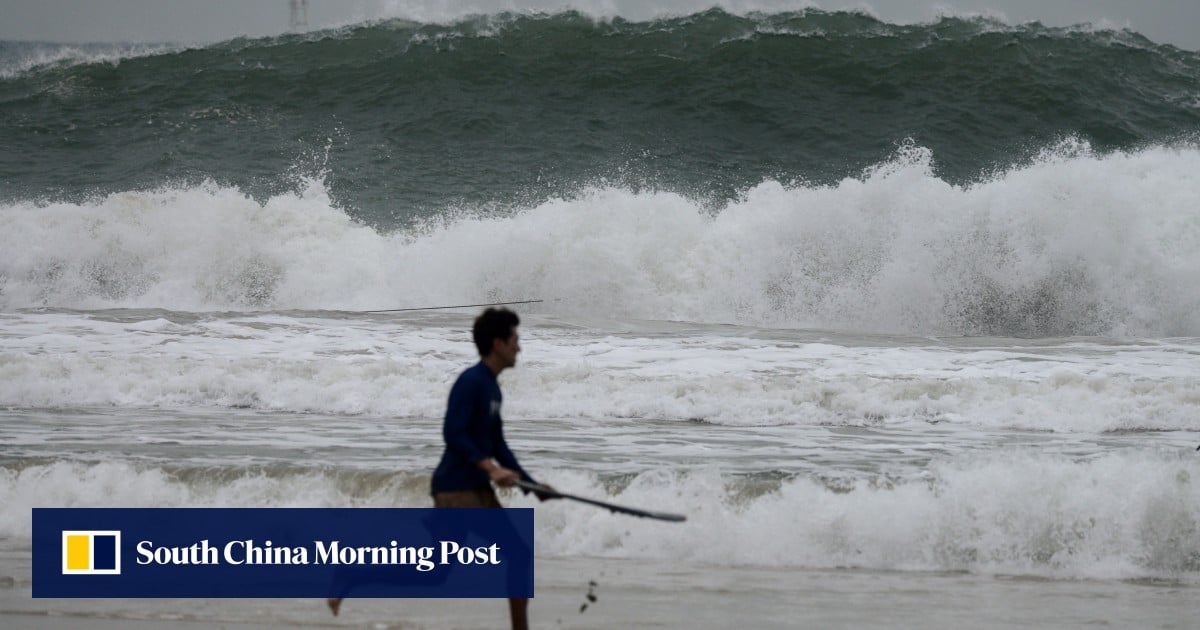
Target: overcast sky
[{"x": 1170, "y": 21}]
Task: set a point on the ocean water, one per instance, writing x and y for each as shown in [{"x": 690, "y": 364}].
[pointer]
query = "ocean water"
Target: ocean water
[{"x": 875, "y": 305}]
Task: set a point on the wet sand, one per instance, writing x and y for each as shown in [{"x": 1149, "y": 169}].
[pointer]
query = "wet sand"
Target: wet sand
[{"x": 640, "y": 594}]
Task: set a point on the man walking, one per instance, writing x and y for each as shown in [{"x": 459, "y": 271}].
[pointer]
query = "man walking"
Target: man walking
[{"x": 476, "y": 454}]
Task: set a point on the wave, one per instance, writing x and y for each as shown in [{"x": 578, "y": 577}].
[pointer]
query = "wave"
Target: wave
[
  {"x": 1075, "y": 244},
  {"x": 401, "y": 369},
  {"x": 19, "y": 58},
  {"x": 1121, "y": 515},
  {"x": 462, "y": 21},
  {"x": 414, "y": 117}
]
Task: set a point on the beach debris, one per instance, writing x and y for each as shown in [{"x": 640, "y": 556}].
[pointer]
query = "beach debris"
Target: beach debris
[{"x": 591, "y": 596}]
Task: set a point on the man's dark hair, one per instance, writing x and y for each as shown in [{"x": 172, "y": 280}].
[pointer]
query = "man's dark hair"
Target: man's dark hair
[{"x": 494, "y": 323}]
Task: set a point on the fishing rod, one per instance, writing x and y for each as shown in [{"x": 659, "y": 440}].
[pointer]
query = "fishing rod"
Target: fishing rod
[
  {"x": 391, "y": 310},
  {"x": 545, "y": 491},
  {"x": 438, "y": 308}
]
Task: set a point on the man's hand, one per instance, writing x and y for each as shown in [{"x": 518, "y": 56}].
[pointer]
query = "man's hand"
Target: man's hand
[{"x": 499, "y": 475}]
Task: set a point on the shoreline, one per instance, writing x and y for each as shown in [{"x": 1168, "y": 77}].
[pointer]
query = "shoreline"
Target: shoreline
[{"x": 637, "y": 593}]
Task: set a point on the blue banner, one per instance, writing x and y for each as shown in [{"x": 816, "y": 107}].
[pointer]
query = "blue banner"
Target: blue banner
[{"x": 282, "y": 552}]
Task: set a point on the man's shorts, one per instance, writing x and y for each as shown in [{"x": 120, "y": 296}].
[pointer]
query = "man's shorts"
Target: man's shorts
[{"x": 481, "y": 497}]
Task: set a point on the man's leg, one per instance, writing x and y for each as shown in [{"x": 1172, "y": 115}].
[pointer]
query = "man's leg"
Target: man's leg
[
  {"x": 518, "y": 607},
  {"x": 481, "y": 498}
]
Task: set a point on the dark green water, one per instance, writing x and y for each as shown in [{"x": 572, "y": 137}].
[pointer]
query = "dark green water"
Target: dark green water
[{"x": 405, "y": 120}]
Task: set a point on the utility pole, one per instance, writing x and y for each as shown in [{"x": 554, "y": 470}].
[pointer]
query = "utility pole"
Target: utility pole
[{"x": 299, "y": 14}]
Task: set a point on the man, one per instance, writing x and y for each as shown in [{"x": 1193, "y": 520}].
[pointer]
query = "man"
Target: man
[{"x": 476, "y": 454}]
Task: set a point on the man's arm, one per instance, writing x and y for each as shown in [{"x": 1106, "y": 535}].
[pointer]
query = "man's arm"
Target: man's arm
[
  {"x": 506, "y": 458},
  {"x": 464, "y": 395}
]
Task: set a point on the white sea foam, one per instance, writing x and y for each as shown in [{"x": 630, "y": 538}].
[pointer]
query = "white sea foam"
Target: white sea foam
[
  {"x": 450, "y": 12},
  {"x": 635, "y": 10},
  {"x": 1122, "y": 515},
  {"x": 1073, "y": 244},
  {"x": 26, "y": 57},
  {"x": 1118, "y": 515},
  {"x": 388, "y": 367}
]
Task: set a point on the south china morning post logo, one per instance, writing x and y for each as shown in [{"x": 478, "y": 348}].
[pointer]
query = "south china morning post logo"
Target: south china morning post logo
[
  {"x": 91, "y": 552},
  {"x": 252, "y": 552},
  {"x": 282, "y": 552}
]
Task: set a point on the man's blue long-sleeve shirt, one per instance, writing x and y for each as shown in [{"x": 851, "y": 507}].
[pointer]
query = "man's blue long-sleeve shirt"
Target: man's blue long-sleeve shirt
[{"x": 473, "y": 432}]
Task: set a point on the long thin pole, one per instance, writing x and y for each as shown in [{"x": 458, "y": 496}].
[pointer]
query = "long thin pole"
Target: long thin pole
[
  {"x": 438, "y": 308},
  {"x": 619, "y": 509}
]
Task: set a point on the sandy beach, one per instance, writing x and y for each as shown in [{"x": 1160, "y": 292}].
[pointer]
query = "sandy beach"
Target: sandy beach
[{"x": 639, "y": 594}]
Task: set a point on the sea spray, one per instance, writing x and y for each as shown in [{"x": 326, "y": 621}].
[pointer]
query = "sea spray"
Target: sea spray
[
  {"x": 1073, "y": 244},
  {"x": 1122, "y": 515}
]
